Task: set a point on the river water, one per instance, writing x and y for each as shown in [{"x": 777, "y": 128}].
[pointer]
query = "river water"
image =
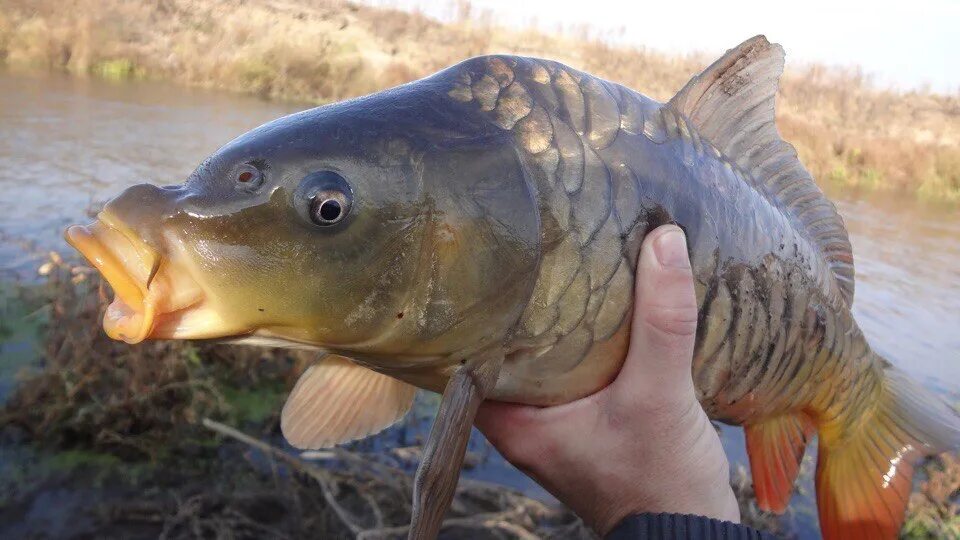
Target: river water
[{"x": 67, "y": 144}]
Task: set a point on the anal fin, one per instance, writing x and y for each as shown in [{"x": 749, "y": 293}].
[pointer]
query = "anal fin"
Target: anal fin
[
  {"x": 776, "y": 448},
  {"x": 338, "y": 401}
]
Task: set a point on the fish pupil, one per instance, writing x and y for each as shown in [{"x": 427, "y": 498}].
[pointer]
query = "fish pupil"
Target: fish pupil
[{"x": 330, "y": 210}]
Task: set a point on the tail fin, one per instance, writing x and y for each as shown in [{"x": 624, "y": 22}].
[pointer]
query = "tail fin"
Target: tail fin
[{"x": 864, "y": 479}]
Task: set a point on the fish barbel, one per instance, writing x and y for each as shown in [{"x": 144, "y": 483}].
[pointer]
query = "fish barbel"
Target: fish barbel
[{"x": 476, "y": 233}]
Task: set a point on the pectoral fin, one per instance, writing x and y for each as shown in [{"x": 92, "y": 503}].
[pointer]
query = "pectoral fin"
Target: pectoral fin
[{"x": 338, "y": 401}]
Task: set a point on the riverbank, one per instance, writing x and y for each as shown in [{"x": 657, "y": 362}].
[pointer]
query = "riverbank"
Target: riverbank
[
  {"x": 848, "y": 132},
  {"x": 138, "y": 441},
  {"x": 102, "y": 439}
]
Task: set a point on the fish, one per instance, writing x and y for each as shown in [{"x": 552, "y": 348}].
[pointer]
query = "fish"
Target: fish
[{"x": 475, "y": 233}]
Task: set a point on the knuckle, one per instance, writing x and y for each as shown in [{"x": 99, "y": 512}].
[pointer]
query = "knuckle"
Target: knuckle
[{"x": 679, "y": 321}]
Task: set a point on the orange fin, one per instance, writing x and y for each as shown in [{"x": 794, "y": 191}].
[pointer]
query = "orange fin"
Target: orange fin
[
  {"x": 338, "y": 401},
  {"x": 776, "y": 448},
  {"x": 864, "y": 478}
]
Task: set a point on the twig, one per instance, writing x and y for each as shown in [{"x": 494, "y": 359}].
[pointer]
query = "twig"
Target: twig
[
  {"x": 322, "y": 477},
  {"x": 497, "y": 520},
  {"x": 503, "y": 520}
]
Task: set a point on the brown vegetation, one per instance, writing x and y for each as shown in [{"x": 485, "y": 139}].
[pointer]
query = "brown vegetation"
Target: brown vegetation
[
  {"x": 135, "y": 423},
  {"x": 93, "y": 393},
  {"x": 934, "y": 510},
  {"x": 132, "y": 422},
  {"x": 132, "y": 426},
  {"x": 846, "y": 130}
]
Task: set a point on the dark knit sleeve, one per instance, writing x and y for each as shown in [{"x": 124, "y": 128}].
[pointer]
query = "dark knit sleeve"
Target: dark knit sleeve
[{"x": 682, "y": 527}]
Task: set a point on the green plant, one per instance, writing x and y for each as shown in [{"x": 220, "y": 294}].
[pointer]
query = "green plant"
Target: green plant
[{"x": 118, "y": 69}]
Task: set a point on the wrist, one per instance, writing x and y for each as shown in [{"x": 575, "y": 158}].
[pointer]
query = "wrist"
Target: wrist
[
  {"x": 722, "y": 508},
  {"x": 666, "y": 525},
  {"x": 711, "y": 497},
  {"x": 708, "y": 498}
]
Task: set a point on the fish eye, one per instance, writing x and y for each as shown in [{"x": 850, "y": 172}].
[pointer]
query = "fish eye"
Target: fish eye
[
  {"x": 248, "y": 177},
  {"x": 328, "y": 208},
  {"x": 325, "y": 197}
]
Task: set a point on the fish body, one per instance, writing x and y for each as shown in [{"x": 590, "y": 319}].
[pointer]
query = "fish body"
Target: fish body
[
  {"x": 476, "y": 233},
  {"x": 609, "y": 165}
]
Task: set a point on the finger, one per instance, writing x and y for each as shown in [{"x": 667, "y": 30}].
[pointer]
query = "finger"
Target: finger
[
  {"x": 665, "y": 314},
  {"x": 527, "y": 433},
  {"x": 518, "y": 433},
  {"x": 501, "y": 422}
]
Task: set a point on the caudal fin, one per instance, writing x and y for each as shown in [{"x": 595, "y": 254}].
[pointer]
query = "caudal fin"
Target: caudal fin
[{"x": 864, "y": 475}]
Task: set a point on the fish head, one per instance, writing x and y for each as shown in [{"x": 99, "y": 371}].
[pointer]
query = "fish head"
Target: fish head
[{"x": 383, "y": 226}]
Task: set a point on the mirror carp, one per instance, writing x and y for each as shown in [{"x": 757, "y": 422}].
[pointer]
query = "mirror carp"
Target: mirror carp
[{"x": 476, "y": 233}]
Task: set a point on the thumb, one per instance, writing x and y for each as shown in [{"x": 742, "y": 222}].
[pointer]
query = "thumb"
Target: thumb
[{"x": 665, "y": 315}]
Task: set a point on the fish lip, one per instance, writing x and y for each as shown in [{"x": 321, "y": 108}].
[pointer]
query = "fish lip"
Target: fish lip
[
  {"x": 148, "y": 287},
  {"x": 150, "y": 254}
]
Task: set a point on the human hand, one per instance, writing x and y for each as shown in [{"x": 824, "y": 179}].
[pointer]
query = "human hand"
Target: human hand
[{"x": 643, "y": 443}]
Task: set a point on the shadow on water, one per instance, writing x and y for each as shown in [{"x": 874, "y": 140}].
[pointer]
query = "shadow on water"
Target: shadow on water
[{"x": 67, "y": 144}]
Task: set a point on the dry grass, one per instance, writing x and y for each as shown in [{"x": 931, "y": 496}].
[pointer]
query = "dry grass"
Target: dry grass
[
  {"x": 934, "y": 510},
  {"x": 92, "y": 393},
  {"x": 846, "y": 130}
]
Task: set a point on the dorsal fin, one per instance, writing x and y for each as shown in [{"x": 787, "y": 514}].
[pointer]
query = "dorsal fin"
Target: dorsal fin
[{"x": 732, "y": 105}]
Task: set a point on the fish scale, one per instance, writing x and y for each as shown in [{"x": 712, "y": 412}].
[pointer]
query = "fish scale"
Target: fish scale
[{"x": 585, "y": 118}]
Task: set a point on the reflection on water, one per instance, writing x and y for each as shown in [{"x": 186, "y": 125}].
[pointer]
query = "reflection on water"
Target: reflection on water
[
  {"x": 907, "y": 296},
  {"x": 68, "y": 143}
]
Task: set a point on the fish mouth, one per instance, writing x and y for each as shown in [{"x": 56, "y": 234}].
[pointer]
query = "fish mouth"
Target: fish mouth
[{"x": 153, "y": 294}]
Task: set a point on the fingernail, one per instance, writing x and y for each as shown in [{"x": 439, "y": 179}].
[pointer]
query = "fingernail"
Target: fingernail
[{"x": 671, "y": 249}]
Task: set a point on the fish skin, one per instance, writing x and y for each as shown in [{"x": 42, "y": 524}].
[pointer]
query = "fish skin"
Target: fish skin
[{"x": 743, "y": 247}]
